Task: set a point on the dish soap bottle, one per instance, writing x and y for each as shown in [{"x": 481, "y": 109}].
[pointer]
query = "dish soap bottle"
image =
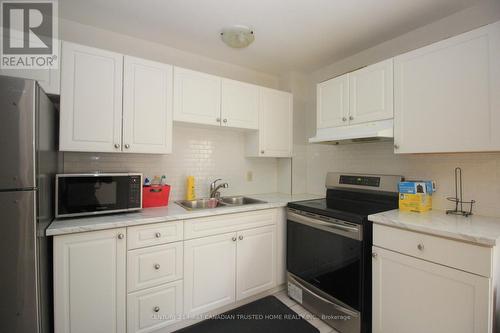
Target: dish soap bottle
[{"x": 190, "y": 188}]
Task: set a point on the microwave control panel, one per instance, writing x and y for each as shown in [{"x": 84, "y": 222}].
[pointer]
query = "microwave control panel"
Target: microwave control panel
[{"x": 135, "y": 187}]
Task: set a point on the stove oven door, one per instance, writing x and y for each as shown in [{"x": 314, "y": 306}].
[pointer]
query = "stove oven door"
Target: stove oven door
[{"x": 324, "y": 265}]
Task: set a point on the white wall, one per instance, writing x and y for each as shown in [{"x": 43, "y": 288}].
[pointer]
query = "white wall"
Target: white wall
[
  {"x": 481, "y": 172},
  {"x": 104, "y": 39},
  {"x": 206, "y": 153}
]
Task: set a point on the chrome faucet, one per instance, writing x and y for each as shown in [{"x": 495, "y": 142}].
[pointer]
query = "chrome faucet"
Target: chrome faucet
[{"x": 214, "y": 188}]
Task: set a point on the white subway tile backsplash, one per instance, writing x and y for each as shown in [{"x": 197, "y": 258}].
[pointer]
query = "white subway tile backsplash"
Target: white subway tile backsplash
[
  {"x": 206, "y": 153},
  {"x": 481, "y": 171}
]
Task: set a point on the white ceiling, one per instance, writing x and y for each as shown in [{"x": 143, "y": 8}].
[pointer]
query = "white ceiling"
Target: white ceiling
[{"x": 300, "y": 35}]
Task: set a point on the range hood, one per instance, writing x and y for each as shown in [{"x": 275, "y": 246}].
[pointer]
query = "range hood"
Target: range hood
[{"x": 382, "y": 130}]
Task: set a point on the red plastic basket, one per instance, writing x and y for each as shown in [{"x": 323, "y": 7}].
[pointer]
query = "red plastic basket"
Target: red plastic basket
[{"x": 155, "y": 196}]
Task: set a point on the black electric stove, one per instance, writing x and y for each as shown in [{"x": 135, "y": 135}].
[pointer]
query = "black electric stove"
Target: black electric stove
[{"x": 329, "y": 248}]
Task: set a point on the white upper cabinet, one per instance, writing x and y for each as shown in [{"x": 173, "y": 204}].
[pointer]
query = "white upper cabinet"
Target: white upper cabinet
[
  {"x": 274, "y": 138},
  {"x": 197, "y": 97},
  {"x": 276, "y": 121},
  {"x": 333, "y": 102},
  {"x": 240, "y": 104},
  {"x": 447, "y": 95},
  {"x": 371, "y": 93},
  {"x": 362, "y": 96},
  {"x": 147, "y": 106},
  {"x": 91, "y": 99}
]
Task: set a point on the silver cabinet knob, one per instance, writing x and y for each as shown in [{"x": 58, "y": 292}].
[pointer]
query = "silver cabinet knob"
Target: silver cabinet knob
[
  {"x": 234, "y": 239},
  {"x": 117, "y": 145},
  {"x": 156, "y": 309},
  {"x": 262, "y": 152},
  {"x": 396, "y": 146},
  {"x": 351, "y": 118},
  {"x": 374, "y": 254},
  {"x": 157, "y": 235},
  {"x": 120, "y": 236},
  {"x": 420, "y": 247},
  {"x": 241, "y": 237},
  {"x": 217, "y": 120},
  {"x": 225, "y": 120},
  {"x": 157, "y": 266},
  {"x": 127, "y": 146},
  {"x": 344, "y": 119}
]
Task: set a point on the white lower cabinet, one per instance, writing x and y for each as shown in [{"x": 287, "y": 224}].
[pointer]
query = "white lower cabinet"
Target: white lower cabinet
[
  {"x": 209, "y": 273},
  {"x": 89, "y": 282},
  {"x": 426, "y": 283},
  {"x": 154, "y": 308},
  {"x": 412, "y": 295},
  {"x": 222, "y": 269},
  {"x": 100, "y": 287},
  {"x": 255, "y": 261}
]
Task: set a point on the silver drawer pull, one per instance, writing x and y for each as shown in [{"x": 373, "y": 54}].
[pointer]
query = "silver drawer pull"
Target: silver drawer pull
[
  {"x": 156, "y": 309},
  {"x": 233, "y": 239},
  {"x": 157, "y": 266},
  {"x": 157, "y": 235},
  {"x": 420, "y": 247},
  {"x": 374, "y": 254},
  {"x": 120, "y": 236},
  {"x": 241, "y": 237}
]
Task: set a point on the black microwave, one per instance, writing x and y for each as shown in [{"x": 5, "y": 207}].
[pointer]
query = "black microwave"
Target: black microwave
[{"x": 97, "y": 193}]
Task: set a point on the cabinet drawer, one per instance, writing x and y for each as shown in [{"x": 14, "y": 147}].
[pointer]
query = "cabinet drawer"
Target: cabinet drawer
[
  {"x": 468, "y": 257},
  {"x": 154, "y": 265},
  {"x": 152, "y": 309},
  {"x": 228, "y": 223},
  {"x": 154, "y": 234}
]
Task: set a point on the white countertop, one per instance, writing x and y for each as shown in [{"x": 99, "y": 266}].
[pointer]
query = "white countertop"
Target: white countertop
[
  {"x": 475, "y": 229},
  {"x": 172, "y": 212}
]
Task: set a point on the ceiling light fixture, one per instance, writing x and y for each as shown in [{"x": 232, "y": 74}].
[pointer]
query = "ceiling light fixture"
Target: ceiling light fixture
[{"x": 237, "y": 36}]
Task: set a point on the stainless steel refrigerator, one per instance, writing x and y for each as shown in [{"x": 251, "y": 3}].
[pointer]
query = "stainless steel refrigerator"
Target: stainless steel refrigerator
[{"x": 28, "y": 163}]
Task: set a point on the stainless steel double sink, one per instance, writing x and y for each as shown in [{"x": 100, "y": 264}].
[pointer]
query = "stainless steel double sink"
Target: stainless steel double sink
[{"x": 210, "y": 203}]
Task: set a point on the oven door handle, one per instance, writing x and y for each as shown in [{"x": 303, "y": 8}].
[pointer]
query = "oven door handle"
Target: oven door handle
[
  {"x": 343, "y": 230},
  {"x": 335, "y": 305}
]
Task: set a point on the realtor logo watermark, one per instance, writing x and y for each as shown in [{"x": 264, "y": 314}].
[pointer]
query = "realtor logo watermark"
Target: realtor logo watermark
[{"x": 29, "y": 35}]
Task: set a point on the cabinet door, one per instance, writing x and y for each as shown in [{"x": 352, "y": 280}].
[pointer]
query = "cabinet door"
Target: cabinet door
[
  {"x": 371, "y": 93},
  {"x": 209, "y": 273},
  {"x": 197, "y": 97},
  {"x": 147, "y": 106},
  {"x": 333, "y": 102},
  {"x": 446, "y": 95},
  {"x": 275, "y": 118},
  {"x": 255, "y": 261},
  {"x": 240, "y": 104},
  {"x": 89, "y": 282},
  {"x": 413, "y": 296},
  {"x": 91, "y": 99}
]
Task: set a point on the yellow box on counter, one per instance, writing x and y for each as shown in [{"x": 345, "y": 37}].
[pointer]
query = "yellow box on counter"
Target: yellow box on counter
[
  {"x": 419, "y": 202},
  {"x": 416, "y": 196}
]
